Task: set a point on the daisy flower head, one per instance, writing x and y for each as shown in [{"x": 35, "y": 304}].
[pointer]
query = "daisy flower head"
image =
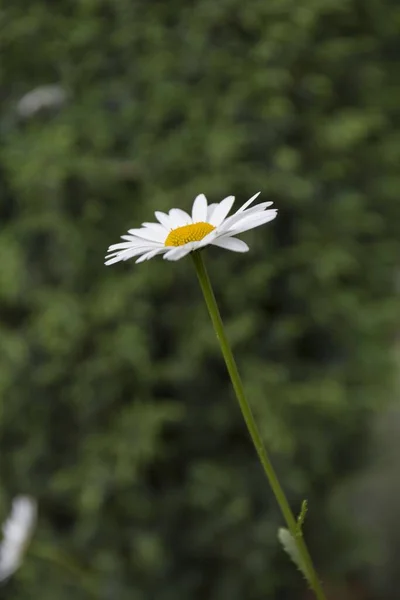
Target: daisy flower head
[
  {"x": 17, "y": 532},
  {"x": 178, "y": 233}
]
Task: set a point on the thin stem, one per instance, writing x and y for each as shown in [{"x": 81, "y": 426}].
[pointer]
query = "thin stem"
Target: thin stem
[
  {"x": 79, "y": 575},
  {"x": 280, "y": 496}
]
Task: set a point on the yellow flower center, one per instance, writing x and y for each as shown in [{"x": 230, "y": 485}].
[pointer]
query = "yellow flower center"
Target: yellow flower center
[{"x": 188, "y": 233}]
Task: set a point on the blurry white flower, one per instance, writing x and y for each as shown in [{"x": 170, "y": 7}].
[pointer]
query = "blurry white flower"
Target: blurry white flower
[
  {"x": 17, "y": 531},
  {"x": 42, "y": 97},
  {"x": 177, "y": 233}
]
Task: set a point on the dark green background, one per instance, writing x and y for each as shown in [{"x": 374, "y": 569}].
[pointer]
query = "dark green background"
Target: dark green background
[{"x": 116, "y": 411}]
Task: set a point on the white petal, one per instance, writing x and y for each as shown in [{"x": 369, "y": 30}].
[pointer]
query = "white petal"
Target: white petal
[
  {"x": 129, "y": 253},
  {"x": 257, "y": 208},
  {"x": 163, "y": 219},
  {"x": 179, "y": 218},
  {"x": 207, "y": 239},
  {"x": 111, "y": 260},
  {"x": 155, "y": 227},
  {"x": 178, "y": 253},
  {"x": 254, "y": 221},
  {"x": 210, "y": 211},
  {"x": 238, "y": 216},
  {"x": 132, "y": 242},
  {"x": 199, "y": 210},
  {"x": 231, "y": 243},
  {"x": 246, "y": 204},
  {"x": 221, "y": 210},
  {"x": 132, "y": 238},
  {"x": 146, "y": 244},
  {"x": 148, "y": 255},
  {"x": 147, "y": 234},
  {"x": 121, "y": 246}
]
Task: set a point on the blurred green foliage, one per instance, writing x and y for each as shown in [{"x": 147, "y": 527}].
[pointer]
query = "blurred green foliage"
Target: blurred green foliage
[{"x": 116, "y": 411}]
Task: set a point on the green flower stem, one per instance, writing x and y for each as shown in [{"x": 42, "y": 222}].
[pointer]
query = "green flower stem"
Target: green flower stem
[
  {"x": 287, "y": 513},
  {"x": 78, "y": 575}
]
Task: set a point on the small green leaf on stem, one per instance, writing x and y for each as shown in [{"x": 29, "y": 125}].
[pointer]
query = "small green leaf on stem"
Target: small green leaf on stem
[
  {"x": 289, "y": 544},
  {"x": 302, "y": 517}
]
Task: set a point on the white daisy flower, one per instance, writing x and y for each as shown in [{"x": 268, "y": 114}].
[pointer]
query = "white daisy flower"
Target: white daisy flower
[
  {"x": 17, "y": 531},
  {"x": 177, "y": 233}
]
